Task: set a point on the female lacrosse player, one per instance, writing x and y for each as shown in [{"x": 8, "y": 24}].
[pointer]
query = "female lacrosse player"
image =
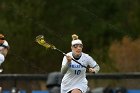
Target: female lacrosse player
[
  {"x": 74, "y": 80},
  {"x": 4, "y": 47}
]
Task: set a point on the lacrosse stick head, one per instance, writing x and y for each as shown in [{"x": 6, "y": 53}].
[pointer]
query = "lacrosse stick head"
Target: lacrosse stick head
[{"x": 41, "y": 40}]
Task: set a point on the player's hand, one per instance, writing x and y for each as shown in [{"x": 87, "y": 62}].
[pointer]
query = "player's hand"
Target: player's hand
[
  {"x": 91, "y": 70},
  {"x": 69, "y": 58}
]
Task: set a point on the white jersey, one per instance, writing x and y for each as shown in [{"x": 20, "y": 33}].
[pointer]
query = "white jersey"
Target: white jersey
[
  {"x": 2, "y": 46},
  {"x": 75, "y": 77}
]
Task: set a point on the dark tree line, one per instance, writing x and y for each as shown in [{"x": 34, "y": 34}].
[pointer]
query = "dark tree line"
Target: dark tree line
[{"x": 97, "y": 22}]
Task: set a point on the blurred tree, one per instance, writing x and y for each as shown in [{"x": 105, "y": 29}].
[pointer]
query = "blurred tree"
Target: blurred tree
[{"x": 97, "y": 22}]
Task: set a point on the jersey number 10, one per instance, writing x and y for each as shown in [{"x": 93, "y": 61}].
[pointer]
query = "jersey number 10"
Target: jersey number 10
[{"x": 77, "y": 72}]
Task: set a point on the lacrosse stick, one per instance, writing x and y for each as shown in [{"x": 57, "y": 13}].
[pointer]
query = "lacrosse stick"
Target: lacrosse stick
[{"x": 41, "y": 40}]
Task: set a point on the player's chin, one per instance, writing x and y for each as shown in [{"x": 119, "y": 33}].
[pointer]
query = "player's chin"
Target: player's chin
[{"x": 78, "y": 53}]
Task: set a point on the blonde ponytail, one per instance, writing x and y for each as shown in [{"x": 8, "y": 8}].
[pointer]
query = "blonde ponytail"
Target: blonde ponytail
[{"x": 74, "y": 37}]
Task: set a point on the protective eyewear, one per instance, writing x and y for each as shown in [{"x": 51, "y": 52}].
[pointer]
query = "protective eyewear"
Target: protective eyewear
[{"x": 78, "y": 45}]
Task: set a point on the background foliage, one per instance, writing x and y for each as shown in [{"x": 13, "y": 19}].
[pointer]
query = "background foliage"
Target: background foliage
[{"x": 102, "y": 25}]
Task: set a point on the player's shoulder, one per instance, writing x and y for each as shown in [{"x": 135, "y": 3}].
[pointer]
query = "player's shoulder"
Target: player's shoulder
[
  {"x": 5, "y": 43},
  {"x": 85, "y": 54}
]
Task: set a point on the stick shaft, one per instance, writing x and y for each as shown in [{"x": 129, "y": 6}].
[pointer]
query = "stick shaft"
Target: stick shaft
[{"x": 72, "y": 58}]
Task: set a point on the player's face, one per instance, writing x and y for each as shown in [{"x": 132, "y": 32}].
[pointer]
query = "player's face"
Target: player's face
[{"x": 77, "y": 49}]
